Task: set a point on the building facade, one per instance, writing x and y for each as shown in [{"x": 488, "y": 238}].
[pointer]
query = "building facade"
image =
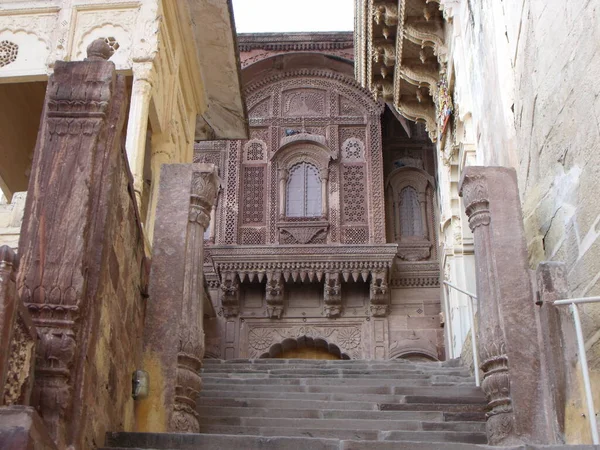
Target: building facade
[{"x": 323, "y": 234}]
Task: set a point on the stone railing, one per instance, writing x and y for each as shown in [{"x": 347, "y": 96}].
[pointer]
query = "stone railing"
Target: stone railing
[{"x": 17, "y": 334}]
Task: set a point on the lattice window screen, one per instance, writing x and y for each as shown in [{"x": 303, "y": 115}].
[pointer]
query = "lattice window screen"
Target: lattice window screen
[
  {"x": 353, "y": 150},
  {"x": 253, "y": 200},
  {"x": 354, "y": 194}
]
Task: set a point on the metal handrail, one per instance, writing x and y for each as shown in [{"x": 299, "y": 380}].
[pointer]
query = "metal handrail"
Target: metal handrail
[
  {"x": 473, "y": 334},
  {"x": 573, "y": 302}
]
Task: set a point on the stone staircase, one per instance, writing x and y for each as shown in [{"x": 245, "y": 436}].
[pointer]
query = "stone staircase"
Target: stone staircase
[{"x": 310, "y": 404}]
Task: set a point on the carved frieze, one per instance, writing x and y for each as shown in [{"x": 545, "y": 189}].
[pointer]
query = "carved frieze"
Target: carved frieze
[
  {"x": 303, "y": 232},
  {"x": 347, "y": 337}
]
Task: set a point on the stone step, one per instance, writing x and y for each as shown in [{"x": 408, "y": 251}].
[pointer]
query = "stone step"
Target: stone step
[
  {"x": 367, "y": 435},
  {"x": 359, "y": 397},
  {"x": 175, "y": 441},
  {"x": 302, "y": 370},
  {"x": 211, "y": 411},
  {"x": 168, "y": 441},
  {"x": 427, "y": 391},
  {"x": 452, "y": 364},
  {"x": 286, "y": 404},
  {"x": 470, "y": 412},
  {"x": 345, "y": 424},
  {"x": 313, "y": 381}
]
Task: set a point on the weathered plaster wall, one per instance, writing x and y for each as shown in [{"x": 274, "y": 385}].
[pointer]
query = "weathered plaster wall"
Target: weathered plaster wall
[
  {"x": 118, "y": 348},
  {"x": 527, "y": 74}
]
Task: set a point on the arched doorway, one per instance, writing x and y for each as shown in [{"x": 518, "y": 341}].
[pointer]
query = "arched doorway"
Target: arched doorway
[{"x": 305, "y": 347}]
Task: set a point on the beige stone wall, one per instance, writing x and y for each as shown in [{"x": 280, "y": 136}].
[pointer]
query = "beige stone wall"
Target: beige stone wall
[
  {"x": 525, "y": 76},
  {"x": 117, "y": 351},
  {"x": 11, "y": 217}
]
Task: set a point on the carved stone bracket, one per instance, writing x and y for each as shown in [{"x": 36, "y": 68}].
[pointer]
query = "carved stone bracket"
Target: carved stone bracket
[
  {"x": 274, "y": 294},
  {"x": 332, "y": 295},
  {"x": 414, "y": 251},
  {"x": 379, "y": 294},
  {"x": 230, "y": 294}
]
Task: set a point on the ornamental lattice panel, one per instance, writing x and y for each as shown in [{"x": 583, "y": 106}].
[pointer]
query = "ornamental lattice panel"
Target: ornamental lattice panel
[
  {"x": 253, "y": 197},
  {"x": 353, "y": 194}
]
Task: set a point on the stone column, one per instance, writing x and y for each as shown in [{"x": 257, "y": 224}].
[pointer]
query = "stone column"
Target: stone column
[
  {"x": 423, "y": 212},
  {"x": 283, "y": 177},
  {"x": 137, "y": 126},
  {"x": 508, "y": 339},
  {"x": 324, "y": 173},
  {"x": 173, "y": 336}
]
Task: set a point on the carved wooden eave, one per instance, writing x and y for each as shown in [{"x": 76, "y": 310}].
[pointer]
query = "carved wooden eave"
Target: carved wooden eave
[
  {"x": 306, "y": 263},
  {"x": 401, "y": 57},
  {"x": 214, "y": 34}
]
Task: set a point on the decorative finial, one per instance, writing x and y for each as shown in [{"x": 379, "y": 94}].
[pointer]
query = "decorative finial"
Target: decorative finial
[{"x": 99, "y": 50}]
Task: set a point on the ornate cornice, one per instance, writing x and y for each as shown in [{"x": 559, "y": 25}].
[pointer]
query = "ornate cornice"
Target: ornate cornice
[{"x": 295, "y": 42}]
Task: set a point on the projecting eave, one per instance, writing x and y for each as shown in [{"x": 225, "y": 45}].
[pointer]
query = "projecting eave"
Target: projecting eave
[{"x": 225, "y": 116}]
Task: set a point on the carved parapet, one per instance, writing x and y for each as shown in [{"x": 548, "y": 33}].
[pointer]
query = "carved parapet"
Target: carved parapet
[
  {"x": 64, "y": 228},
  {"x": 332, "y": 295},
  {"x": 274, "y": 294},
  {"x": 230, "y": 294}
]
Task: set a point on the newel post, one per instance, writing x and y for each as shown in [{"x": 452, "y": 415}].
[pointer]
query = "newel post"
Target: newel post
[
  {"x": 173, "y": 335},
  {"x": 508, "y": 337}
]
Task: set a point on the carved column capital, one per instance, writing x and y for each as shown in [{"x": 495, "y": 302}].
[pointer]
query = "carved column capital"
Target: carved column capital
[
  {"x": 473, "y": 189},
  {"x": 230, "y": 291},
  {"x": 379, "y": 293},
  {"x": 204, "y": 191}
]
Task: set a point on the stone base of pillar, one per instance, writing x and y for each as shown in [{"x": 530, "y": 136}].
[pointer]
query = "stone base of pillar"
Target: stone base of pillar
[{"x": 21, "y": 428}]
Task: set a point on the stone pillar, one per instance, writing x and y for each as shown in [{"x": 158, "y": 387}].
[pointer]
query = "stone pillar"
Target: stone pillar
[
  {"x": 283, "y": 177},
  {"x": 62, "y": 243},
  {"x": 324, "y": 173},
  {"x": 423, "y": 212},
  {"x": 137, "y": 126},
  {"x": 173, "y": 336},
  {"x": 507, "y": 332}
]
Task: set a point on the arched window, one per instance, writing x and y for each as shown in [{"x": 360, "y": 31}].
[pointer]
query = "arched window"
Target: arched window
[
  {"x": 411, "y": 220},
  {"x": 303, "y": 197}
]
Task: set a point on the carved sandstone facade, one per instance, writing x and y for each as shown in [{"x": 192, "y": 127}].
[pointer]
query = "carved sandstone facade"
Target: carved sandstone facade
[{"x": 324, "y": 224}]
